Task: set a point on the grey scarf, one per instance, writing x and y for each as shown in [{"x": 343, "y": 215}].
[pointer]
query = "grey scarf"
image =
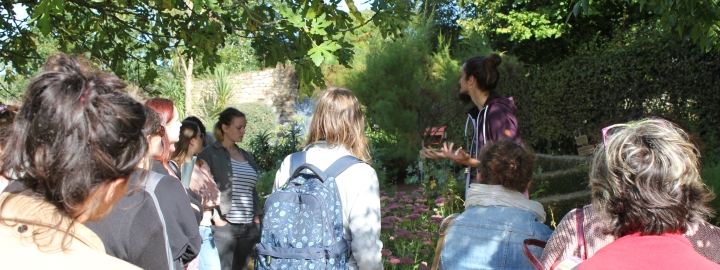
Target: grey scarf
[{"x": 497, "y": 195}]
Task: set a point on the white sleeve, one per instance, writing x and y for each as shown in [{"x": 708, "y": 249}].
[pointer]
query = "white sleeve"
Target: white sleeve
[
  {"x": 364, "y": 223},
  {"x": 282, "y": 174}
]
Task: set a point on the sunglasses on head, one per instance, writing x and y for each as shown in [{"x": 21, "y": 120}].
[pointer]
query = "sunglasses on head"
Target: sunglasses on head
[{"x": 606, "y": 130}]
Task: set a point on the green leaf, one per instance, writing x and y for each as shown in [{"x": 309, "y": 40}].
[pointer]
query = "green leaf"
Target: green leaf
[
  {"x": 331, "y": 59},
  {"x": 330, "y": 45},
  {"x": 310, "y": 14},
  {"x": 576, "y": 9},
  {"x": 316, "y": 56},
  {"x": 586, "y": 5}
]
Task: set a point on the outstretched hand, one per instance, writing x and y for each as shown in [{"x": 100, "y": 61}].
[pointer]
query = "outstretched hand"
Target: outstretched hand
[
  {"x": 431, "y": 154},
  {"x": 458, "y": 156}
]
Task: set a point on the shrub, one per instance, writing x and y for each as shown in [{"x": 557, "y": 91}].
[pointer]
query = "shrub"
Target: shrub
[
  {"x": 647, "y": 74},
  {"x": 260, "y": 119}
]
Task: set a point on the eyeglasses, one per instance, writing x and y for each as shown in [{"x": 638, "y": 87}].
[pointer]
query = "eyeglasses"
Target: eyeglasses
[{"x": 608, "y": 128}]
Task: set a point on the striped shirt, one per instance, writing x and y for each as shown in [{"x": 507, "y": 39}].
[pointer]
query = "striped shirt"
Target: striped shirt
[{"x": 244, "y": 178}]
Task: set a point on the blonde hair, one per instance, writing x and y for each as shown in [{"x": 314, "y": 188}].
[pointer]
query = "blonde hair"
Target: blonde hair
[
  {"x": 646, "y": 178},
  {"x": 338, "y": 119}
]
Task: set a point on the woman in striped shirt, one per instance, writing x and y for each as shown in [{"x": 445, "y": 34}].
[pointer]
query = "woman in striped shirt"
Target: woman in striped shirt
[{"x": 235, "y": 173}]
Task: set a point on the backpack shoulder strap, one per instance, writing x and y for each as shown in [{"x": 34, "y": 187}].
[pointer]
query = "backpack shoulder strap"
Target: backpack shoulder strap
[
  {"x": 341, "y": 164},
  {"x": 296, "y": 160},
  {"x": 153, "y": 179},
  {"x": 579, "y": 220},
  {"x": 444, "y": 228}
]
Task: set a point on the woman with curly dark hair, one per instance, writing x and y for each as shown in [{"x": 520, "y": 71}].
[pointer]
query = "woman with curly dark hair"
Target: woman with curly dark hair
[
  {"x": 498, "y": 217},
  {"x": 75, "y": 142}
]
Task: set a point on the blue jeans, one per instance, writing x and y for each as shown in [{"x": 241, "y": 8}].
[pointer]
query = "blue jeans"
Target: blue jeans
[{"x": 209, "y": 258}]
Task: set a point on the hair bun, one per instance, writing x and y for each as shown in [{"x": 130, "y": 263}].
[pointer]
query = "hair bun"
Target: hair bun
[{"x": 494, "y": 59}]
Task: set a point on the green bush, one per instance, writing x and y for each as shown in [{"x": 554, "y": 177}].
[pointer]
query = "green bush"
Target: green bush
[
  {"x": 260, "y": 119},
  {"x": 269, "y": 150},
  {"x": 646, "y": 74},
  {"x": 711, "y": 177}
]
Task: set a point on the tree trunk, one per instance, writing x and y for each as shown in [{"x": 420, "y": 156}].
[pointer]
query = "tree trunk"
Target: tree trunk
[
  {"x": 188, "y": 87},
  {"x": 187, "y": 69}
]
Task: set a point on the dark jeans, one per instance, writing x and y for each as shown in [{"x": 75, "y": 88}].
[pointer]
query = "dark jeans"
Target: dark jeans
[{"x": 234, "y": 243}]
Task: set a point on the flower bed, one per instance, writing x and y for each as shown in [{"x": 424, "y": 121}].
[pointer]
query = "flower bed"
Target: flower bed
[{"x": 410, "y": 226}]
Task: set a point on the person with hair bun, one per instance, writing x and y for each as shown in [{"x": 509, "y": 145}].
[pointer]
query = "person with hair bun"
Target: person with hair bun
[
  {"x": 493, "y": 116},
  {"x": 76, "y": 141},
  {"x": 235, "y": 173},
  {"x": 498, "y": 217}
]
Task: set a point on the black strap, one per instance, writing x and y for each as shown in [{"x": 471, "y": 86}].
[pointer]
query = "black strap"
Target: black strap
[{"x": 173, "y": 166}]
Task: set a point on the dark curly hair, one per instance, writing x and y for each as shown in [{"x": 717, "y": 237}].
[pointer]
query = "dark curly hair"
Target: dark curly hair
[
  {"x": 75, "y": 131},
  {"x": 506, "y": 163}
]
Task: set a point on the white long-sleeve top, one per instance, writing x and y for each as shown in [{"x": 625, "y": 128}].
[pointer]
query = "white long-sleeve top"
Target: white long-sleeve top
[{"x": 360, "y": 196}]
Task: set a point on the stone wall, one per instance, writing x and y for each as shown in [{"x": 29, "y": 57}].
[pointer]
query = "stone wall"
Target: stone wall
[{"x": 277, "y": 87}]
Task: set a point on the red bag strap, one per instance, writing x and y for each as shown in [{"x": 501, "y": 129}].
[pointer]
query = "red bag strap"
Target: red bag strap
[
  {"x": 579, "y": 218},
  {"x": 531, "y": 257}
]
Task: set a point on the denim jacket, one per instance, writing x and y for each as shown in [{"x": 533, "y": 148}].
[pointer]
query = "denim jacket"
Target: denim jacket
[
  {"x": 491, "y": 237},
  {"x": 218, "y": 158}
]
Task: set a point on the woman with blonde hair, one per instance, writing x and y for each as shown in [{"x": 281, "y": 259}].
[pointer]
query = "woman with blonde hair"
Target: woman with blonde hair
[
  {"x": 336, "y": 130},
  {"x": 647, "y": 192},
  {"x": 235, "y": 173}
]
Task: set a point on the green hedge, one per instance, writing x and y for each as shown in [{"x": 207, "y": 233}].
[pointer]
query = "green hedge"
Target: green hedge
[{"x": 650, "y": 75}]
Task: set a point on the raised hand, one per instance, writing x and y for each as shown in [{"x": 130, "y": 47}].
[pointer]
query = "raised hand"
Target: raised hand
[{"x": 458, "y": 156}]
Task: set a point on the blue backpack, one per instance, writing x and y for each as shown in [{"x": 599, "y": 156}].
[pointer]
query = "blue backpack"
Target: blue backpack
[{"x": 303, "y": 223}]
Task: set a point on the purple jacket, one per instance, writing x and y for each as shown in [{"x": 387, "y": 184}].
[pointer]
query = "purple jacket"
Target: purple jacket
[{"x": 495, "y": 121}]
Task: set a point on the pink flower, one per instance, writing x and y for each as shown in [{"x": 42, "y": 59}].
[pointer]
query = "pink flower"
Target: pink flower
[
  {"x": 400, "y": 194},
  {"x": 421, "y": 209},
  {"x": 440, "y": 201},
  {"x": 394, "y": 260},
  {"x": 420, "y": 201},
  {"x": 386, "y": 252},
  {"x": 427, "y": 242},
  {"x": 418, "y": 191},
  {"x": 382, "y": 198},
  {"x": 385, "y": 225},
  {"x": 392, "y": 219},
  {"x": 407, "y": 200},
  {"x": 393, "y": 206},
  {"x": 407, "y": 261},
  {"x": 424, "y": 251},
  {"x": 399, "y": 233},
  {"x": 413, "y": 216},
  {"x": 436, "y": 218},
  {"x": 424, "y": 266}
]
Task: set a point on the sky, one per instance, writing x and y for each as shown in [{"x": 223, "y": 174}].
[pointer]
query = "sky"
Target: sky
[{"x": 361, "y": 5}]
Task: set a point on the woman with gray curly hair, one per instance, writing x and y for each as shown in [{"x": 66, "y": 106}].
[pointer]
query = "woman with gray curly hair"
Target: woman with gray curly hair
[{"x": 647, "y": 190}]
